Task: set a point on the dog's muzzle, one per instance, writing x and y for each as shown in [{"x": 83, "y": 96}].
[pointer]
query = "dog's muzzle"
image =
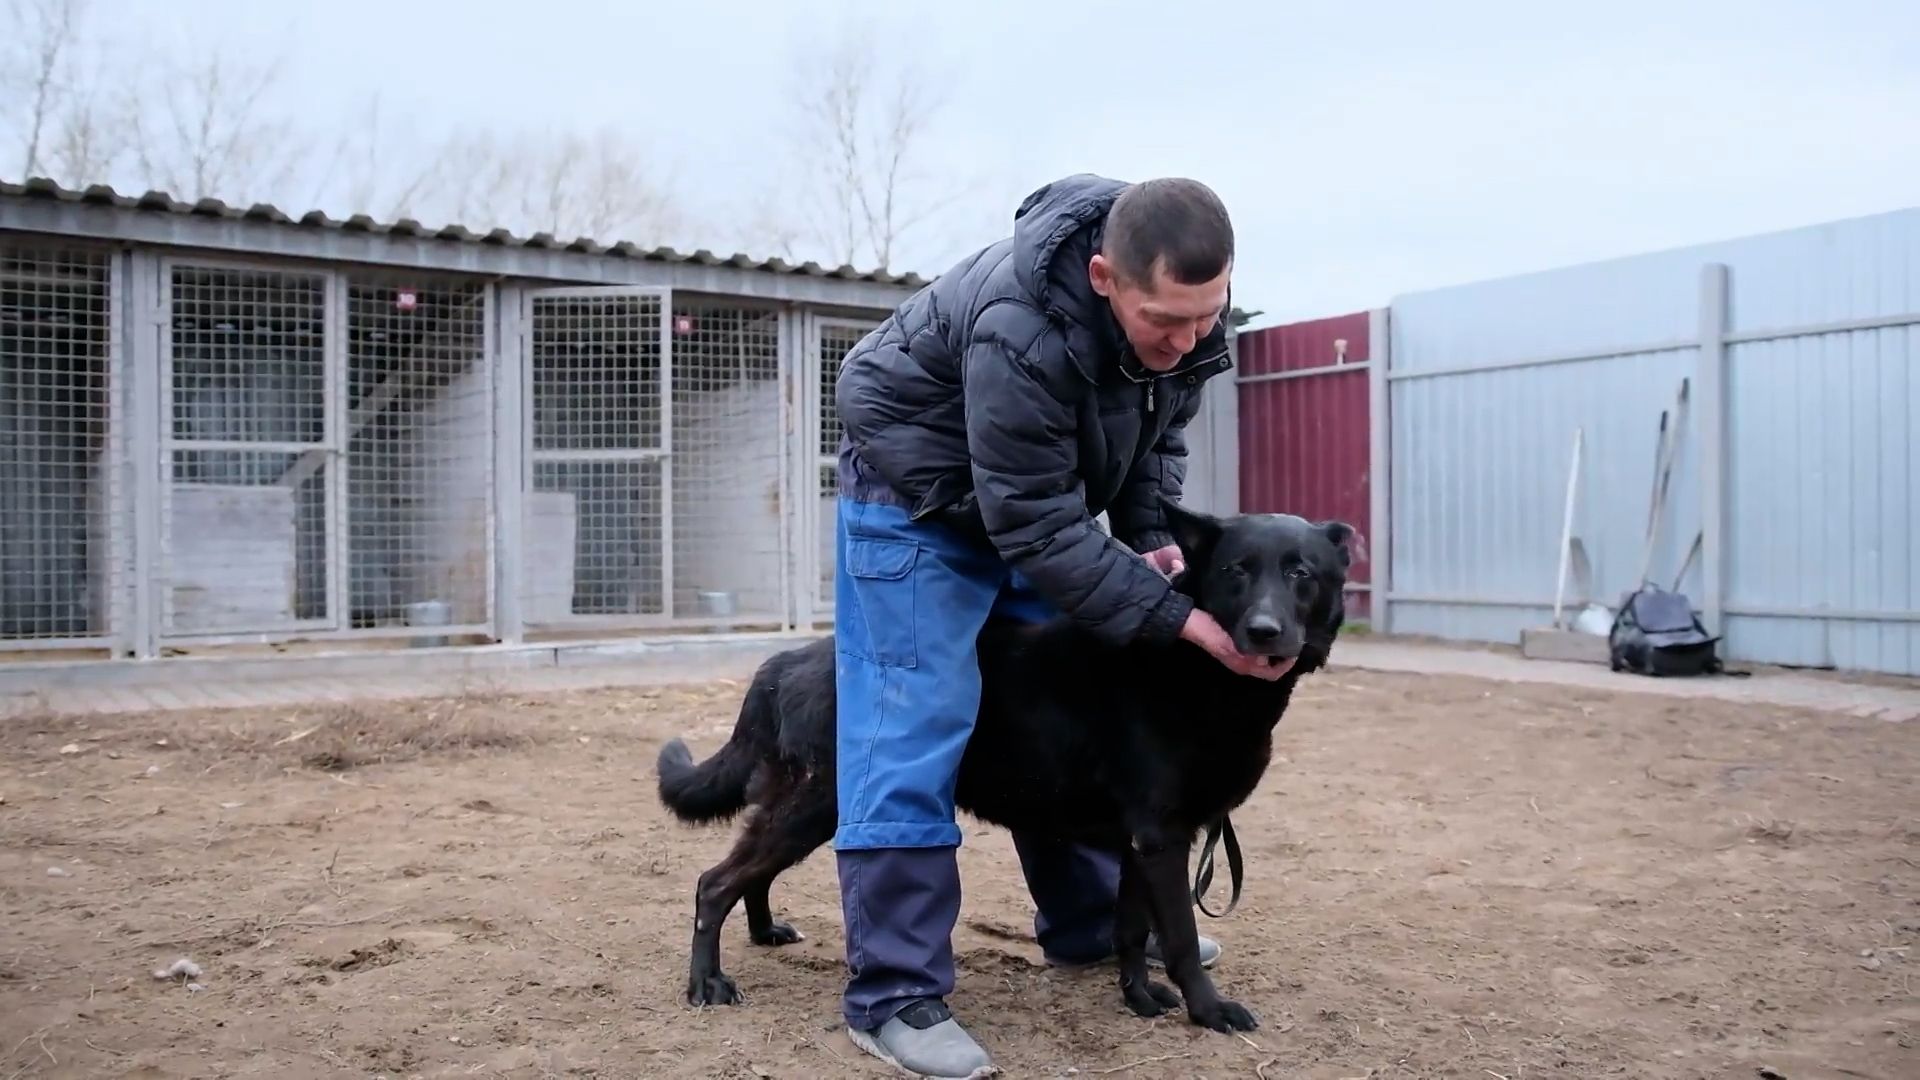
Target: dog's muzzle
[{"x": 1264, "y": 635}]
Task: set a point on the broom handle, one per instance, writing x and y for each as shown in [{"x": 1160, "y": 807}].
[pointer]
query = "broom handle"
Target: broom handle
[{"x": 1566, "y": 531}]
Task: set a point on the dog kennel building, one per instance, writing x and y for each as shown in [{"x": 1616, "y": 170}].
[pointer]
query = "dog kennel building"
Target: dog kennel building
[{"x": 225, "y": 427}]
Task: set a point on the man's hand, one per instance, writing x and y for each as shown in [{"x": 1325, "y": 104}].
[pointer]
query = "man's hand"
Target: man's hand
[
  {"x": 1167, "y": 560},
  {"x": 1203, "y": 630}
]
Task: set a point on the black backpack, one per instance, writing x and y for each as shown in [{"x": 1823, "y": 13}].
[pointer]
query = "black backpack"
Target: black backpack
[{"x": 1657, "y": 634}]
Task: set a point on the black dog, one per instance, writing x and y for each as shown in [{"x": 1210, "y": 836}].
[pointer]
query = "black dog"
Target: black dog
[{"x": 1134, "y": 749}]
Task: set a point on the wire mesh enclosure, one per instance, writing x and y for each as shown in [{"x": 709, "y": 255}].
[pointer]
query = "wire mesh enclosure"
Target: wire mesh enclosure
[
  {"x": 56, "y": 462},
  {"x": 310, "y": 451},
  {"x": 833, "y": 339},
  {"x": 727, "y": 439},
  {"x": 419, "y": 436},
  {"x": 594, "y": 533},
  {"x": 249, "y": 506}
]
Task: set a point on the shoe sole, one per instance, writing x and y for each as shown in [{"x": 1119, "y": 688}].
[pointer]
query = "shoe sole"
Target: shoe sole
[{"x": 870, "y": 1045}]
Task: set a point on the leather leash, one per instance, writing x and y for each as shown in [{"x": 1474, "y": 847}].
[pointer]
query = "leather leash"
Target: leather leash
[{"x": 1203, "y": 874}]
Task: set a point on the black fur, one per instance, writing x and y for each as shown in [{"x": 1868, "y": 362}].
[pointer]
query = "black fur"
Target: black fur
[{"x": 1135, "y": 748}]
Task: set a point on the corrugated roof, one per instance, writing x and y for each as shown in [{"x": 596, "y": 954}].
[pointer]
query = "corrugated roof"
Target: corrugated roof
[{"x": 163, "y": 203}]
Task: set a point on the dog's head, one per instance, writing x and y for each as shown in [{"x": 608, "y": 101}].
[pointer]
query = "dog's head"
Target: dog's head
[{"x": 1274, "y": 582}]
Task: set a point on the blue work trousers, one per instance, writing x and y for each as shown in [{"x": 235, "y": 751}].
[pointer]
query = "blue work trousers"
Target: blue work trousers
[{"x": 910, "y": 599}]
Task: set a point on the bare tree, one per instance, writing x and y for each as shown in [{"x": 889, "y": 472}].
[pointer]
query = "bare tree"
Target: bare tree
[
  {"x": 861, "y": 143},
  {"x": 371, "y": 175},
  {"x": 36, "y": 75},
  {"x": 602, "y": 186},
  {"x": 206, "y": 129}
]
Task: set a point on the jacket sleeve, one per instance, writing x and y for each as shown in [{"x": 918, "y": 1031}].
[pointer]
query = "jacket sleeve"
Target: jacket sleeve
[{"x": 1023, "y": 437}]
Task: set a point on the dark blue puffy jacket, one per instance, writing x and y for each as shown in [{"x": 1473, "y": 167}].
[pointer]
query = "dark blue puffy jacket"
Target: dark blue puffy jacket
[{"x": 1004, "y": 401}]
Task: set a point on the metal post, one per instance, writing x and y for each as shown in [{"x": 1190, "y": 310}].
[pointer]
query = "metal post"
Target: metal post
[
  {"x": 666, "y": 375},
  {"x": 807, "y": 466},
  {"x": 335, "y": 437},
  {"x": 1713, "y": 444},
  {"x": 1380, "y": 468},
  {"x": 1222, "y": 406},
  {"x": 507, "y": 354},
  {"x": 792, "y": 378},
  {"x": 116, "y": 473},
  {"x": 145, "y": 367}
]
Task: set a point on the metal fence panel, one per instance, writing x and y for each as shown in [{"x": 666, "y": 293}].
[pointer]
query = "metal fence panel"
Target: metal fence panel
[
  {"x": 57, "y": 426},
  {"x": 1478, "y": 489},
  {"x": 1304, "y": 425},
  {"x": 596, "y": 528},
  {"x": 1823, "y": 486},
  {"x": 1808, "y": 458},
  {"x": 727, "y": 451},
  {"x": 250, "y": 509},
  {"x": 419, "y": 437}
]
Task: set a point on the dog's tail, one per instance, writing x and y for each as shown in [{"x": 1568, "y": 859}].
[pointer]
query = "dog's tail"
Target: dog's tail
[{"x": 716, "y": 788}]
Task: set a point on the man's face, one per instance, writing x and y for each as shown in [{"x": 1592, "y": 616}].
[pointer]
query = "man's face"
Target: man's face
[{"x": 1162, "y": 318}]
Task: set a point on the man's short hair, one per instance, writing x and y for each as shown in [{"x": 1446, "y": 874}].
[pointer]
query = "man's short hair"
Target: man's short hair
[{"x": 1178, "y": 225}]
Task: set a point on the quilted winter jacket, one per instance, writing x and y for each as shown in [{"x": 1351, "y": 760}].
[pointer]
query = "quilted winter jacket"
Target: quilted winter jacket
[{"x": 1004, "y": 401}]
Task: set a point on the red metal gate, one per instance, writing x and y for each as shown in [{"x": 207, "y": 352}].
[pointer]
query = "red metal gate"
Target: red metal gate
[{"x": 1305, "y": 427}]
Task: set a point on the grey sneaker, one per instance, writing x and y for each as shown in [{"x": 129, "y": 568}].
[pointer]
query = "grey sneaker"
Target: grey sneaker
[
  {"x": 1209, "y": 951},
  {"x": 1209, "y": 955},
  {"x": 925, "y": 1040}
]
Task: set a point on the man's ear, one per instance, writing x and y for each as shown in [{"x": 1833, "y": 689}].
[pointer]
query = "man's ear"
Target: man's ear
[
  {"x": 1352, "y": 547},
  {"x": 1195, "y": 532}
]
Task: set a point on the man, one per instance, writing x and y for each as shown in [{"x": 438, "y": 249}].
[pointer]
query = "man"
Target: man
[{"x": 1043, "y": 380}]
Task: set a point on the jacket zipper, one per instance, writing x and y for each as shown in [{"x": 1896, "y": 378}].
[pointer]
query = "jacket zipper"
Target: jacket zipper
[{"x": 1153, "y": 380}]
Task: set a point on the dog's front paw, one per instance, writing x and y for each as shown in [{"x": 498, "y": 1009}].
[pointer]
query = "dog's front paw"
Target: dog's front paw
[
  {"x": 1224, "y": 1016},
  {"x": 714, "y": 989},
  {"x": 1148, "y": 998},
  {"x": 778, "y": 934}
]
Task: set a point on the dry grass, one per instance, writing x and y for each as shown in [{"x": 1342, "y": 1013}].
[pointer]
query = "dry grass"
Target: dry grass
[
  {"x": 348, "y": 738},
  {"x": 334, "y": 738}
]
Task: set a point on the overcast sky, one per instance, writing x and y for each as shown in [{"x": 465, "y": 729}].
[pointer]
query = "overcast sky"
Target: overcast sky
[{"x": 1388, "y": 148}]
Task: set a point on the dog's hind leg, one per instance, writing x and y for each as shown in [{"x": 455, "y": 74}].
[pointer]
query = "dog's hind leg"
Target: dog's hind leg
[
  {"x": 1132, "y": 920},
  {"x": 781, "y": 833},
  {"x": 762, "y": 927}
]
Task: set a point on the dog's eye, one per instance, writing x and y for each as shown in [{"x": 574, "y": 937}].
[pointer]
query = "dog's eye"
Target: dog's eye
[
  {"x": 1234, "y": 571},
  {"x": 1299, "y": 573}
]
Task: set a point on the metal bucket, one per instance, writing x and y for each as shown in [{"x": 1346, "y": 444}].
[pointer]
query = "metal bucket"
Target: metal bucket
[
  {"x": 719, "y": 605},
  {"x": 430, "y": 613}
]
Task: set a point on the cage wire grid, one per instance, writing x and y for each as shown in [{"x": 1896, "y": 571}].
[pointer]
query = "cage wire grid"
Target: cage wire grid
[
  {"x": 58, "y": 450},
  {"x": 593, "y": 538},
  {"x": 725, "y": 464},
  {"x": 249, "y": 499},
  {"x": 327, "y": 452},
  {"x": 833, "y": 339},
  {"x": 419, "y": 454}
]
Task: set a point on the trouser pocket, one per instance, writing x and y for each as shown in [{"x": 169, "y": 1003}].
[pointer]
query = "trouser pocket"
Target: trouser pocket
[{"x": 880, "y": 587}]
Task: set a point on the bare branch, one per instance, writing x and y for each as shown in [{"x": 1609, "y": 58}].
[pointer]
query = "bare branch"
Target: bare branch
[
  {"x": 859, "y": 137},
  {"x": 602, "y": 186},
  {"x": 37, "y": 77},
  {"x": 206, "y": 131}
]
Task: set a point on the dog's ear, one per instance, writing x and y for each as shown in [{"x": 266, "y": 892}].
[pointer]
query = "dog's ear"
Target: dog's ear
[
  {"x": 1344, "y": 537},
  {"x": 1195, "y": 532}
]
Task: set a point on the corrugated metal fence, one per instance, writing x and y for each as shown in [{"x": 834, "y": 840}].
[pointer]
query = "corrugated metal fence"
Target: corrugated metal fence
[
  {"x": 1792, "y": 514},
  {"x": 1796, "y": 470},
  {"x": 1304, "y": 392}
]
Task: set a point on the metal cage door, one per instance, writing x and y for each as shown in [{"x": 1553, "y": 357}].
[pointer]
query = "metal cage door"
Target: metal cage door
[
  {"x": 596, "y": 516},
  {"x": 250, "y": 448}
]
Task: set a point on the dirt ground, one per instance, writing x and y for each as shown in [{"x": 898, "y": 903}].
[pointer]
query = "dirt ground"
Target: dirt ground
[{"x": 1446, "y": 877}]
